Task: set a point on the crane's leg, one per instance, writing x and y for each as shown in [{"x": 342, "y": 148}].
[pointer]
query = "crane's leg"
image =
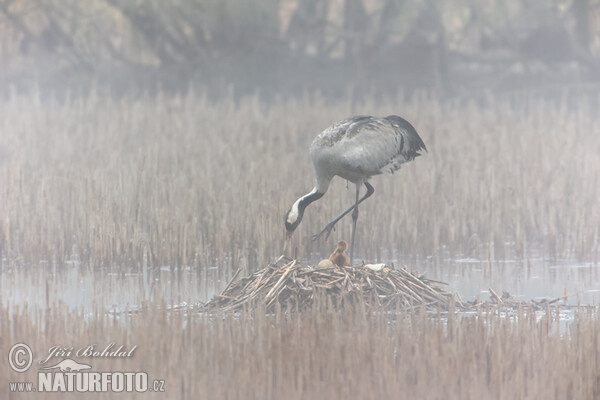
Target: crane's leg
[
  {"x": 354, "y": 218},
  {"x": 329, "y": 227}
]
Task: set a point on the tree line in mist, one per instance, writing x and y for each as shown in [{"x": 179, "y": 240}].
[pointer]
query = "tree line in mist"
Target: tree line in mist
[{"x": 286, "y": 47}]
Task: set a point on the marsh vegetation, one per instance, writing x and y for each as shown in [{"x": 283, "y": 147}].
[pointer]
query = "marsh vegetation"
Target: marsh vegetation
[
  {"x": 179, "y": 181},
  {"x": 149, "y": 150},
  {"x": 118, "y": 217},
  {"x": 324, "y": 354}
]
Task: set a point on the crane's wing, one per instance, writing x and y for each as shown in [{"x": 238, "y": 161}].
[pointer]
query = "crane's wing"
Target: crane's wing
[{"x": 370, "y": 146}]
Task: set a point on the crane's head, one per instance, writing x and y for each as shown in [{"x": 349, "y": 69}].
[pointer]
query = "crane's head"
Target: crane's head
[
  {"x": 342, "y": 246},
  {"x": 293, "y": 218},
  {"x": 295, "y": 214}
]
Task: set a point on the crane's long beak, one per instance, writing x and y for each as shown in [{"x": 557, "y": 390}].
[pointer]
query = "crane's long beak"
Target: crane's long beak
[{"x": 287, "y": 243}]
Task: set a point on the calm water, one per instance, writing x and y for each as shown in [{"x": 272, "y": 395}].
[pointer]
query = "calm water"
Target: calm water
[{"x": 79, "y": 289}]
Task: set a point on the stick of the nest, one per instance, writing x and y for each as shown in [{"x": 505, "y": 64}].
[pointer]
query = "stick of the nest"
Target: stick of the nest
[
  {"x": 424, "y": 279},
  {"x": 565, "y": 297},
  {"x": 432, "y": 293},
  {"x": 287, "y": 268},
  {"x": 259, "y": 283},
  {"x": 421, "y": 283},
  {"x": 257, "y": 286},
  {"x": 459, "y": 299},
  {"x": 221, "y": 296},
  {"x": 426, "y": 290},
  {"x": 412, "y": 282},
  {"x": 276, "y": 295},
  {"x": 408, "y": 290},
  {"x": 243, "y": 287},
  {"x": 495, "y": 296},
  {"x": 281, "y": 257},
  {"x": 409, "y": 276},
  {"x": 233, "y": 278}
]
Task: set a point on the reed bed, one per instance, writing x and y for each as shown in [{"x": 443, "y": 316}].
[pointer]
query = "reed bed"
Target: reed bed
[
  {"x": 182, "y": 182},
  {"x": 325, "y": 354},
  {"x": 178, "y": 187}
]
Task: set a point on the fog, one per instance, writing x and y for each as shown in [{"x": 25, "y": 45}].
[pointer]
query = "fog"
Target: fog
[
  {"x": 287, "y": 48},
  {"x": 150, "y": 151}
]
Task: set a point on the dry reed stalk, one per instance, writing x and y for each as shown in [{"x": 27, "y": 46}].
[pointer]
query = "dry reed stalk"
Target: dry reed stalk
[
  {"x": 295, "y": 285},
  {"x": 326, "y": 353},
  {"x": 104, "y": 182}
]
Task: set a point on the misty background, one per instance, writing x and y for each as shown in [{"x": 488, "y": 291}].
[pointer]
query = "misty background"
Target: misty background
[{"x": 287, "y": 48}]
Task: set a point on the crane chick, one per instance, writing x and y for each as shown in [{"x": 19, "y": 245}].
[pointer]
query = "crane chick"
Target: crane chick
[{"x": 338, "y": 257}]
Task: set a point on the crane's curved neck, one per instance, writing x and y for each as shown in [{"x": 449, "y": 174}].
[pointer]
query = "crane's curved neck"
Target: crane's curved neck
[
  {"x": 294, "y": 216},
  {"x": 321, "y": 184},
  {"x": 305, "y": 200}
]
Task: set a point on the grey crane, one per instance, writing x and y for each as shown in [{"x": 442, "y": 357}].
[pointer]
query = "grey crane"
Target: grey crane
[{"x": 355, "y": 149}]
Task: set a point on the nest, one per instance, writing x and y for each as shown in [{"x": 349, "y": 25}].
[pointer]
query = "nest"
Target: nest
[{"x": 290, "y": 285}]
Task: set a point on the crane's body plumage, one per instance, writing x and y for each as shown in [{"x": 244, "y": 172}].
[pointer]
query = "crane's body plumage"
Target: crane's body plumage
[
  {"x": 356, "y": 149},
  {"x": 360, "y": 147}
]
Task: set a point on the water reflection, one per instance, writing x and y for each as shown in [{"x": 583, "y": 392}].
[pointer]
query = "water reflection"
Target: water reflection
[{"x": 77, "y": 288}]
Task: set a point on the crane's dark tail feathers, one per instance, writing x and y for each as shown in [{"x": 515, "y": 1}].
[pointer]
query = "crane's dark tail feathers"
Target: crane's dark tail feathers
[{"x": 415, "y": 143}]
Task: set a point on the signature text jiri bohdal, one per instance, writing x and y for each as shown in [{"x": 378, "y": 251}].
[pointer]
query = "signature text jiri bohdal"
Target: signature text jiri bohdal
[{"x": 92, "y": 350}]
